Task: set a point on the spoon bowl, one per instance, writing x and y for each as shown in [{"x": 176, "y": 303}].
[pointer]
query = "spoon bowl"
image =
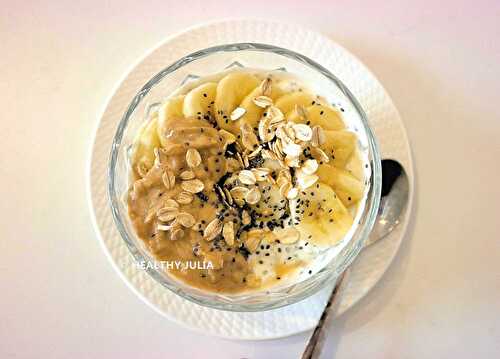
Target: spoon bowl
[{"x": 393, "y": 201}]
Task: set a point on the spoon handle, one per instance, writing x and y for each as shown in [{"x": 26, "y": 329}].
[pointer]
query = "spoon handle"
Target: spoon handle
[{"x": 316, "y": 341}]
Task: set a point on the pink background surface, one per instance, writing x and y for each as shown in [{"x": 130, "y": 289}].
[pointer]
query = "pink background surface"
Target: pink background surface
[{"x": 61, "y": 60}]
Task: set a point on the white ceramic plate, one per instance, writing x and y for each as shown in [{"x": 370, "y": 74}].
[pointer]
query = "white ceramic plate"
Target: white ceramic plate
[{"x": 384, "y": 119}]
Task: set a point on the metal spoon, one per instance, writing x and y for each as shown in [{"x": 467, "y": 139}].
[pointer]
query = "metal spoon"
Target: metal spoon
[{"x": 394, "y": 197}]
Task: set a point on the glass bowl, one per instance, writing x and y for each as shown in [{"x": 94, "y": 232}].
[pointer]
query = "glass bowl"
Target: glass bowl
[{"x": 215, "y": 60}]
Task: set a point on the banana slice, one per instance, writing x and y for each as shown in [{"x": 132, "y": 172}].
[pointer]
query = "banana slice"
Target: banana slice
[
  {"x": 286, "y": 103},
  {"x": 339, "y": 145},
  {"x": 355, "y": 166},
  {"x": 253, "y": 112},
  {"x": 324, "y": 220},
  {"x": 272, "y": 206},
  {"x": 325, "y": 116},
  {"x": 348, "y": 188},
  {"x": 231, "y": 91},
  {"x": 144, "y": 144},
  {"x": 171, "y": 110},
  {"x": 199, "y": 101}
]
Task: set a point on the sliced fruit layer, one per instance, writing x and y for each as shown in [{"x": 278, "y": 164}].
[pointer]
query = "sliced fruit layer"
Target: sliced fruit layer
[
  {"x": 348, "y": 188},
  {"x": 200, "y": 100},
  {"x": 171, "y": 110},
  {"x": 254, "y": 112},
  {"x": 339, "y": 145},
  {"x": 145, "y": 143},
  {"x": 231, "y": 91},
  {"x": 355, "y": 166},
  {"x": 287, "y": 102},
  {"x": 319, "y": 115},
  {"x": 324, "y": 219}
]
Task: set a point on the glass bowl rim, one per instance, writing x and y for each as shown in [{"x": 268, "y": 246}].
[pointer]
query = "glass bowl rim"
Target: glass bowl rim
[{"x": 375, "y": 178}]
